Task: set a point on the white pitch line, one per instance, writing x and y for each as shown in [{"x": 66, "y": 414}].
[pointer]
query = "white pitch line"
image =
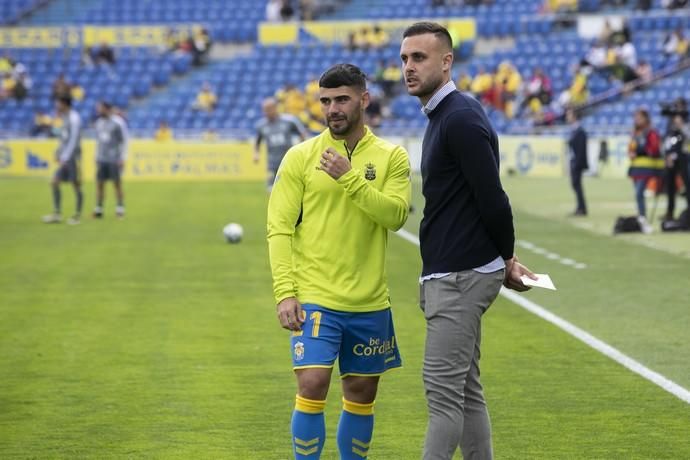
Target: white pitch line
[
  {"x": 550, "y": 255},
  {"x": 602, "y": 347}
]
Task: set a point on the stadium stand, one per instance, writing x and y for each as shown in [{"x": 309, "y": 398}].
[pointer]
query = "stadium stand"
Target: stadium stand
[
  {"x": 533, "y": 36},
  {"x": 11, "y": 11},
  {"x": 135, "y": 73}
]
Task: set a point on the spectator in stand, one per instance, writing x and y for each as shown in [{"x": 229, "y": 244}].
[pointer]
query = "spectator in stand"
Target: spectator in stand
[
  {"x": 391, "y": 79},
  {"x": 644, "y": 5},
  {"x": 507, "y": 83},
  {"x": 163, "y": 133},
  {"x": 361, "y": 39},
  {"x": 625, "y": 63},
  {"x": 105, "y": 54},
  {"x": 291, "y": 100},
  {"x": 576, "y": 94},
  {"x": 7, "y": 86},
  {"x": 6, "y": 64},
  {"x": 481, "y": 85},
  {"x": 287, "y": 12},
  {"x": 202, "y": 46},
  {"x": 537, "y": 92},
  {"x": 273, "y": 10},
  {"x": 646, "y": 161},
  {"x": 42, "y": 126},
  {"x": 77, "y": 93},
  {"x": 464, "y": 82},
  {"x": 185, "y": 42},
  {"x": 206, "y": 100},
  {"x": 596, "y": 56},
  {"x": 171, "y": 41},
  {"x": 378, "y": 38},
  {"x": 675, "y": 44},
  {"x": 22, "y": 82},
  {"x": 61, "y": 87},
  {"x": 311, "y": 117}
]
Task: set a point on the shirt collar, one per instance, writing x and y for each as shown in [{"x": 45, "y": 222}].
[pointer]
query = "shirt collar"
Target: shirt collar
[
  {"x": 368, "y": 135},
  {"x": 438, "y": 96}
]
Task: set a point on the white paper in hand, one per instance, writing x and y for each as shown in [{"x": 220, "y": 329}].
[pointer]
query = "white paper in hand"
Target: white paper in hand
[{"x": 543, "y": 281}]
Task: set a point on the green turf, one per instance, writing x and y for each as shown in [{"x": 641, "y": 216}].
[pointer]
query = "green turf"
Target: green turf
[{"x": 152, "y": 338}]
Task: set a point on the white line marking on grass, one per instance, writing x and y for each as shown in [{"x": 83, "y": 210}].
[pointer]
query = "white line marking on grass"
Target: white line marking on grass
[
  {"x": 599, "y": 345},
  {"x": 602, "y": 347},
  {"x": 550, "y": 255}
]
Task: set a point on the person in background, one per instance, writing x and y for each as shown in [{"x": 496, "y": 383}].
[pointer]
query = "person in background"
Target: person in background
[
  {"x": 291, "y": 100},
  {"x": 676, "y": 157},
  {"x": 77, "y": 92},
  {"x": 61, "y": 87},
  {"x": 464, "y": 82},
  {"x": 287, "y": 11},
  {"x": 277, "y": 131},
  {"x": 481, "y": 85},
  {"x": 163, "y": 133},
  {"x": 273, "y": 10},
  {"x": 68, "y": 155},
  {"x": 105, "y": 54},
  {"x": 646, "y": 163},
  {"x": 7, "y": 84},
  {"x": 391, "y": 79},
  {"x": 202, "y": 46},
  {"x": 206, "y": 100},
  {"x": 537, "y": 92},
  {"x": 111, "y": 153},
  {"x": 42, "y": 126},
  {"x": 577, "y": 145},
  {"x": 378, "y": 38}
]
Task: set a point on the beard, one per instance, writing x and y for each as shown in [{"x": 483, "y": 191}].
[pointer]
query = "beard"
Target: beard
[
  {"x": 341, "y": 125},
  {"x": 426, "y": 88}
]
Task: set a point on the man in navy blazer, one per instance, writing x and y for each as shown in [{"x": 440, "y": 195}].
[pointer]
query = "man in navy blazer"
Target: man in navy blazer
[{"x": 577, "y": 144}]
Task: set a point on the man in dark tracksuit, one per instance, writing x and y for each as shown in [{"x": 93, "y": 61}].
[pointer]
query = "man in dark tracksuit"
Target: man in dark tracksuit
[{"x": 577, "y": 144}]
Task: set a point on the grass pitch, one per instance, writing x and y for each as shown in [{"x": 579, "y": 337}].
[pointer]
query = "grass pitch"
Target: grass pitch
[{"x": 153, "y": 338}]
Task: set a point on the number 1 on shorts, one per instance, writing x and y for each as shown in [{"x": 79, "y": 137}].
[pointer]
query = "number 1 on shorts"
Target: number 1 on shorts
[{"x": 316, "y": 317}]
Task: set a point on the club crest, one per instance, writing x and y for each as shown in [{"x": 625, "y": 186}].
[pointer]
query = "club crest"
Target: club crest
[
  {"x": 370, "y": 171},
  {"x": 299, "y": 351}
]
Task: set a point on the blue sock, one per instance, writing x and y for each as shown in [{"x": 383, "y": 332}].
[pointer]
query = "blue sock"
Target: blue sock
[
  {"x": 355, "y": 430},
  {"x": 308, "y": 428}
]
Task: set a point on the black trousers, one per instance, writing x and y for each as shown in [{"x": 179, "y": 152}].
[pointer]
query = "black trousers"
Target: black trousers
[
  {"x": 680, "y": 167},
  {"x": 576, "y": 182}
]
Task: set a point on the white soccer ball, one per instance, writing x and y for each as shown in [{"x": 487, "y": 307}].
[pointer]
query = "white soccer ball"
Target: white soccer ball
[{"x": 233, "y": 233}]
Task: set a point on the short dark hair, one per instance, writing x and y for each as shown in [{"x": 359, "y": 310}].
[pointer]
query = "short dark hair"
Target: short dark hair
[
  {"x": 426, "y": 27},
  {"x": 65, "y": 99},
  {"x": 343, "y": 75},
  {"x": 106, "y": 104},
  {"x": 644, "y": 112}
]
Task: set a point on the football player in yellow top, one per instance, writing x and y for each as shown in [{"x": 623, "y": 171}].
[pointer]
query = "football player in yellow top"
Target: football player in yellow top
[{"x": 334, "y": 199}]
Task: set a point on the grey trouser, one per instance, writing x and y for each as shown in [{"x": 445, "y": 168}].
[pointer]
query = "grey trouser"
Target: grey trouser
[{"x": 453, "y": 307}]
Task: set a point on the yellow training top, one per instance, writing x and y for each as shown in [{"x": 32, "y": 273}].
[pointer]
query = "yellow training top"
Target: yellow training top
[{"x": 327, "y": 239}]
